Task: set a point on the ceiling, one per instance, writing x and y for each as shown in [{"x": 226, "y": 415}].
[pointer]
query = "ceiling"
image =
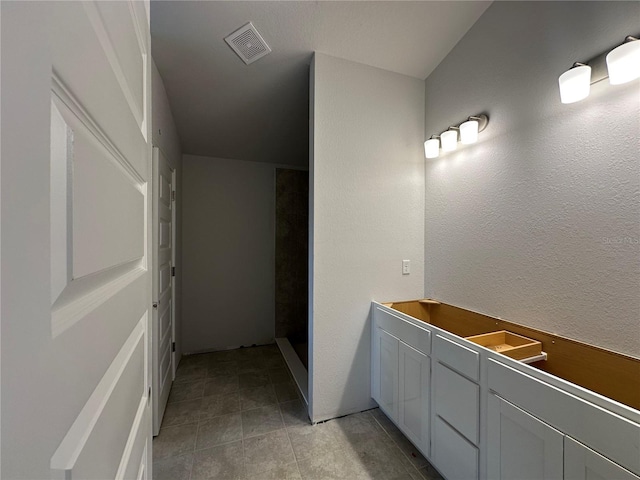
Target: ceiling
[{"x": 259, "y": 112}]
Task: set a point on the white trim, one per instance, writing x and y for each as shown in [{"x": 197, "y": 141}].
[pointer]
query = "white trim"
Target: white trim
[
  {"x": 300, "y": 374},
  {"x": 133, "y": 436},
  {"x": 74, "y": 310}
]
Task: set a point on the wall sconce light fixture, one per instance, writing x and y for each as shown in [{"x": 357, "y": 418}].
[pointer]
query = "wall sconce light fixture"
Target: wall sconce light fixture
[
  {"x": 621, "y": 65},
  {"x": 448, "y": 139}
]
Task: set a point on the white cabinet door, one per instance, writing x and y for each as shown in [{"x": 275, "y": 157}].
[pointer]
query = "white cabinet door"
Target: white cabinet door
[
  {"x": 414, "y": 396},
  {"x": 582, "y": 463},
  {"x": 385, "y": 372},
  {"x": 520, "y": 446}
]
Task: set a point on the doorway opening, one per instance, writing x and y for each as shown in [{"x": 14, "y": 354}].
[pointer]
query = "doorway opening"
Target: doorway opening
[{"x": 291, "y": 258}]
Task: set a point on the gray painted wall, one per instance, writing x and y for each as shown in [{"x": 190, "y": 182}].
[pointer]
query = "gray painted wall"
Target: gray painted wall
[
  {"x": 367, "y": 189},
  {"x": 228, "y": 253},
  {"x": 538, "y": 223},
  {"x": 165, "y": 137}
]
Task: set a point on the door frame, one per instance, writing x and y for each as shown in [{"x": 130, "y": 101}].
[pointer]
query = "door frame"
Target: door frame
[{"x": 155, "y": 223}]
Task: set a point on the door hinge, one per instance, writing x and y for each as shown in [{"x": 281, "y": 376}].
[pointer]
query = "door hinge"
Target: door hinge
[
  {"x": 173, "y": 195},
  {"x": 173, "y": 347},
  {"x": 173, "y": 271}
]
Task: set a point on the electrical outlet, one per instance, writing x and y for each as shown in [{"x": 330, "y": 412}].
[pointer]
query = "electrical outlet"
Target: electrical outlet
[{"x": 406, "y": 267}]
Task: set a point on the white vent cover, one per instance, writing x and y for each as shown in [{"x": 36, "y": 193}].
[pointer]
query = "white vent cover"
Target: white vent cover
[{"x": 248, "y": 44}]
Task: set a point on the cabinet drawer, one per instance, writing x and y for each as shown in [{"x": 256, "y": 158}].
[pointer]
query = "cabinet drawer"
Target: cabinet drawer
[
  {"x": 412, "y": 335},
  {"x": 454, "y": 456},
  {"x": 457, "y": 400},
  {"x": 458, "y": 357}
]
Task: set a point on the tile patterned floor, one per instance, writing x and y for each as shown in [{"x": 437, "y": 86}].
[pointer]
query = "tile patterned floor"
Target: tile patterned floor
[{"x": 237, "y": 415}]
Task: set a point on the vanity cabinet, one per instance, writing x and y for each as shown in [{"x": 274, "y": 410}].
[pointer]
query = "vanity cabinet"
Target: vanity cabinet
[
  {"x": 476, "y": 414},
  {"x": 401, "y": 376}
]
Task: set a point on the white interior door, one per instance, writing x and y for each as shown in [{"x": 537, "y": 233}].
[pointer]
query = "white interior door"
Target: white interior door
[
  {"x": 163, "y": 245},
  {"x": 75, "y": 240}
]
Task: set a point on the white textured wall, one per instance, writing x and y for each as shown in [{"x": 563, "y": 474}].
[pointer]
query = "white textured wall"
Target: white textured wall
[
  {"x": 538, "y": 223},
  {"x": 165, "y": 137},
  {"x": 367, "y": 215},
  {"x": 228, "y": 241}
]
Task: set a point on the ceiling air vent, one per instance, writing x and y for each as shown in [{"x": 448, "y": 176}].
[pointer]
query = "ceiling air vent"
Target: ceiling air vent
[{"x": 248, "y": 44}]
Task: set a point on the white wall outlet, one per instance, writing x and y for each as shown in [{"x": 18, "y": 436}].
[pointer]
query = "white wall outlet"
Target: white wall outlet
[{"x": 406, "y": 267}]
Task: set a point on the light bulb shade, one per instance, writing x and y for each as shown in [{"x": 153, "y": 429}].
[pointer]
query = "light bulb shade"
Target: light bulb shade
[
  {"x": 469, "y": 132},
  {"x": 449, "y": 140},
  {"x": 575, "y": 84},
  {"x": 623, "y": 63},
  {"x": 432, "y": 148}
]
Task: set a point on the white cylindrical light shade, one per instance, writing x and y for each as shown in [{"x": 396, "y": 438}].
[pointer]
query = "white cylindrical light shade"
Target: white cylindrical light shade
[
  {"x": 469, "y": 132},
  {"x": 449, "y": 140},
  {"x": 623, "y": 63},
  {"x": 575, "y": 84},
  {"x": 432, "y": 148}
]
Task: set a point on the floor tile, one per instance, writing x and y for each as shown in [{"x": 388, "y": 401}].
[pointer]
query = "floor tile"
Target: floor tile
[
  {"x": 173, "y": 468},
  {"x": 190, "y": 373},
  {"x": 216, "y": 405},
  {"x": 173, "y": 441},
  {"x": 218, "y": 369},
  {"x": 333, "y": 465},
  {"x": 221, "y": 385},
  {"x": 311, "y": 440},
  {"x": 221, "y": 462},
  {"x": 256, "y": 397},
  {"x": 254, "y": 379},
  {"x": 409, "y": 450},
  {"x": 294, "y": 413},
  {"x": 279, "y": 375},
  {"x": 286, "y": 391},
  {"x": 267, "y": 452},
  {"x": 189, "y": 360},
  {"x": 274, "y": 362},
  {"x": 180, "y": 413},
  {"x": 222, "y": 356},
  {"x": 219, "y": 430},
  {"x": 261, "y": 420},
  {"x": 286, "y": 472},
  {"x": 186, "y": 391},
  {"x": 382, "y": 459},
  {"x": 429, "y": 473},
  {"x": 356, "y": 428}
]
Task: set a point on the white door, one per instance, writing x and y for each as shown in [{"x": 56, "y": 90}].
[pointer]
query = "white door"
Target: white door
[
  {"x": 75, "y": 240},
  {"x": 413, "y": 400},
  {"x": 521, "y": 447},
  {"x": 582, "y": 463},
  {"x": 162, "y": 334}
]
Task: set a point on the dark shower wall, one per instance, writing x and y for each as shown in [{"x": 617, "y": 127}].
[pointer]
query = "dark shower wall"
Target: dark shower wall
[{"x": 292, "y": 233}]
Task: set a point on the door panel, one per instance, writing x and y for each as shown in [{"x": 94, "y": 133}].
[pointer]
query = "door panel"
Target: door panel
[
  {"x": 414, "y": 396},
  {"x": 75, "y": 286},
  {"x": 163, "y": 369},
  {"x": 520, "y": 445},
  {"x": 582, "y": 463}
]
